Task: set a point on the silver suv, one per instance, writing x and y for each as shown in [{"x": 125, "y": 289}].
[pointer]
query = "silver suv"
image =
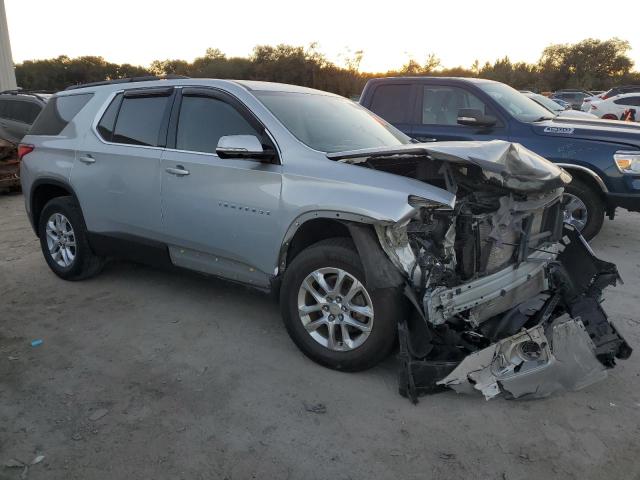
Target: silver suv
[{"x": 456, "y": 251}]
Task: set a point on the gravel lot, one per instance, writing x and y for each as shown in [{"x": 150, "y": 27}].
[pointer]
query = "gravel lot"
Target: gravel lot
[{"x": 198, "y": 379}]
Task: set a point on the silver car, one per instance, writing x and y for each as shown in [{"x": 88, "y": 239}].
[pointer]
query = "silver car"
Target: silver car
[{"x": 456, "y": 252}]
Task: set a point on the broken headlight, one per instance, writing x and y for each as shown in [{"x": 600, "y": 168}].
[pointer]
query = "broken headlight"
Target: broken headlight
[
  {"x": 628, "y": 162},
  {"x": 421, "y": 202}
]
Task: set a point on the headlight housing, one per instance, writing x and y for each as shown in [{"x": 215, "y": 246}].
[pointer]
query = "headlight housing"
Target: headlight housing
[{"x": 628, "y": 162}]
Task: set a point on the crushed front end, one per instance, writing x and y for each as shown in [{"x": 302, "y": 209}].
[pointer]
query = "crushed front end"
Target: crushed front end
[{"x": 506, "y": 297}]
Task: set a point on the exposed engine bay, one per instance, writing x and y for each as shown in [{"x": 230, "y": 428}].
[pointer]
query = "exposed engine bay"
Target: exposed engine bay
[{"x": 506, "y": 297}]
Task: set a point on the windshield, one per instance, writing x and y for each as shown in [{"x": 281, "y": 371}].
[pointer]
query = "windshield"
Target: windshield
[
  {"x": 555, "y": 107},
  {"x": 517, "y": 104},
  {"x": 330, "y": 124}
]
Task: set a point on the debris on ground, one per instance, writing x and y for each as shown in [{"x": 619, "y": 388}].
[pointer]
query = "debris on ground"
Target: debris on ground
[
  {"x": 315, "y": 408},
  {"x": 98, "y": 414},
  {"x": 37, "y": 460},
  {"x": 37, "y": 343},
  {"x": 14, "y": 463}
]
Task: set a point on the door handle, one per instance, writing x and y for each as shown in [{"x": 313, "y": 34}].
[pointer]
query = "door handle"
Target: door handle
[
  {"x": 426, "y": 139},
  {"x": 87, "y": 159},
  {"x": 178, "y": 171}
]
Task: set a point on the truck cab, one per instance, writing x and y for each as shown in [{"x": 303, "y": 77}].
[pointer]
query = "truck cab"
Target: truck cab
[{"x": 602, "y": 156}]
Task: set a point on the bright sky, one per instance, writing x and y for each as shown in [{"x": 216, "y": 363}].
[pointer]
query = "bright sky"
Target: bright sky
[{"x": 390, "y": 33}]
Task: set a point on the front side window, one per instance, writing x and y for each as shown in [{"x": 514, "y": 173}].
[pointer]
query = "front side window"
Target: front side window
[
  {"x": 330, "y": 123},
  {"x": 441, "y": 105},
  {"x": 203, "y": 120},
  {"x": 514, "y": 102},
  {"x": 58, "y": 112},
  {"x": 139, "y": 120},
  {"x": 392, "y": 102}
]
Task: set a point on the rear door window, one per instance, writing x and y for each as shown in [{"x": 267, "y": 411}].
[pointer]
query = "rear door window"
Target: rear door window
[
  {"x": 393, "y": 103},
  {"x": 140, "y": 119},
  {"x": 58, "y": 112},
  {"x": 203, "y": 120}
]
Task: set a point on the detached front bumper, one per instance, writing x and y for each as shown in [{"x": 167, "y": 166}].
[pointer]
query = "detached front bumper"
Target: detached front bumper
[{"x": 533, "y": 363}]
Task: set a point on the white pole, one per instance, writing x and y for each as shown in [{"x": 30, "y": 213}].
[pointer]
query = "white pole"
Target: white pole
[{"x": 7, "y": 71}]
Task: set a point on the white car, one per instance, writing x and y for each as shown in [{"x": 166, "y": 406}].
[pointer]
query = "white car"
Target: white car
[
  {"x": 556, "y": 108},
  {"x": 587, "y": 101},
  {"x": 615, "y": 107}
]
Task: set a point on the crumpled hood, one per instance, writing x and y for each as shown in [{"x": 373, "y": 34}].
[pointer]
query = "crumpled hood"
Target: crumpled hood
[{"x": 508, "y": 164}]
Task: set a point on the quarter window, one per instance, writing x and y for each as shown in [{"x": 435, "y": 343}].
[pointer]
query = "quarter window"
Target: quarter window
[
  {"x": 203, "y": 120},
  {"x": 440, "y": 104},
  {"x": 139, "y": 120},
  {"x": 108, "y": 120},
  {"x": 58, "y": 112}
]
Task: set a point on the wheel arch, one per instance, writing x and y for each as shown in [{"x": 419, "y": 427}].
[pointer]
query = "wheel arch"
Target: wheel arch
[
  {"x": 586, "y": 175},
  {"x": 313, "y": 227},
  {"x": 42, "y": 191}
]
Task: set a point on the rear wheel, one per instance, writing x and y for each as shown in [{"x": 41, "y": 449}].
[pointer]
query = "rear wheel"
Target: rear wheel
[
  {"x": 63, "y": 239},
  {"x": 331, "y": 314},
  {"x": 583, "y": 208}
]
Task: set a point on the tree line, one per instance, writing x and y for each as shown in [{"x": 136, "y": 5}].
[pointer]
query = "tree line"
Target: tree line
[{"x": 590, "y": 64}]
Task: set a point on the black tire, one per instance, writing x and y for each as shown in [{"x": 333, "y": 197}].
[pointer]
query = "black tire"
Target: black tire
[
  {"x": 85, "y": 264},
  {"x": 594, "y": 203},
  {"x": 387, "y": 306}
]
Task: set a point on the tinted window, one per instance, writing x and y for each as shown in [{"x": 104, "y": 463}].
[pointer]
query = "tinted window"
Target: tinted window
[
  {"x": 21, "y": 111},
  {"x": 635, "y": 101},
  {"x": 108, "y": 120},
  {"x": 3, "y": 108},
  {"x": 440, "y": 105},
  {"x": 139, "y": 120},
  {"x": 203, "y": 120},
  {"x": 58, "y": 112},
  {"x": 330, "y": 123},
  {"x": 392, "y": 102}
]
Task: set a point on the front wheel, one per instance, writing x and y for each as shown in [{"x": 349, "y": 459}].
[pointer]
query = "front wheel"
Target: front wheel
[
  {"x": 331, "y": 314},
  {"x": 583, "y": 208}
]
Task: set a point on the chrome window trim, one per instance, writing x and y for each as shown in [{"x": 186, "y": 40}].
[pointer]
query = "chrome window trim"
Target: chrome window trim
[{"x": 103, "y": 109}]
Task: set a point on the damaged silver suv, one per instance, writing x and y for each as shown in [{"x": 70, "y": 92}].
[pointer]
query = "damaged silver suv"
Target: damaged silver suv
[{"x": 456, "y": 251}]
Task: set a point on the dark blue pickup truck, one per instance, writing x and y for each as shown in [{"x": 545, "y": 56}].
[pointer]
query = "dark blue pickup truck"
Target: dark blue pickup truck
[{"x": 603, "y": 156}]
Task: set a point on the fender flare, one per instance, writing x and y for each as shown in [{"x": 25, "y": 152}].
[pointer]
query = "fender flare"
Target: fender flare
[
  {"x": 378, "y": 269},
  {"x": 588, "y": 171}
]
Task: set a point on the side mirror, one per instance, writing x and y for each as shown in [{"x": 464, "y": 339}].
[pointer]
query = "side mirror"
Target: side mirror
[
  {"x": 242, "y": 146},
  {"x": 475, "y": 118}
]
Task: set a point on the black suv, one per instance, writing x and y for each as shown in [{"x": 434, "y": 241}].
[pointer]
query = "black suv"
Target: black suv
[{"x": 18, "y": 110}]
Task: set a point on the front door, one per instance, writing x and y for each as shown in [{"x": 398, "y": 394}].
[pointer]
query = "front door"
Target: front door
[
  {"x": 438, "y": 119},
  {"x": 219, "y": 215}
]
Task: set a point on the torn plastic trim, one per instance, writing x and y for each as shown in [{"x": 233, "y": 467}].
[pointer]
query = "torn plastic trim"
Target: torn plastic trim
[
  {"x": 533, "y": 363},
  {"x": 442, "y": 304}
]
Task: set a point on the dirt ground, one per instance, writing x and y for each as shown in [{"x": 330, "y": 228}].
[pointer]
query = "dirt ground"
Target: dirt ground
[{"x": 194, "y": 378}]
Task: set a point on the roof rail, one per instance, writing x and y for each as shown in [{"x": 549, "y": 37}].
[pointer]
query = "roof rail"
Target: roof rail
[
  {"x": 146, "y": 78},
  {"x": 20, "y": 91}
]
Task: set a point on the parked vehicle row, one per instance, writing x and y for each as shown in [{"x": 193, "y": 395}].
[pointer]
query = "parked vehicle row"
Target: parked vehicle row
[{"x": 602, "y": 157}]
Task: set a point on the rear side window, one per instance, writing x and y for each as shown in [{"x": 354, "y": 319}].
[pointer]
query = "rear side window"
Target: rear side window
[
  {"x": 58, "y": 112},
  {"x": 392, "y": 102},
  {"x": 139, "y": 120},
  {"x": 203, "y": 120}
]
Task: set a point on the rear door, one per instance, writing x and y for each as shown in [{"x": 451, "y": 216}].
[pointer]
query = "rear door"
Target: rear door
[
  {"x": 116, "y": 174},
  {"x": 437, "y": 119},
  {"x": 219, "y": 215}
]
